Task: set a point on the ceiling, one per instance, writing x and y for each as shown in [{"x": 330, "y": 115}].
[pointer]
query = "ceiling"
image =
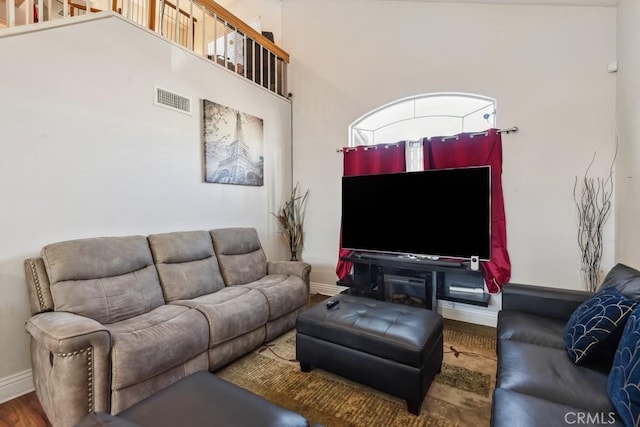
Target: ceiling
[
  {"x": 534, "y": 2},
  {"x": 226, "y": 3}
]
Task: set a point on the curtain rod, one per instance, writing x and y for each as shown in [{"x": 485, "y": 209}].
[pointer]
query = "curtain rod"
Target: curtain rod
[{"x": 444, "y": 138}]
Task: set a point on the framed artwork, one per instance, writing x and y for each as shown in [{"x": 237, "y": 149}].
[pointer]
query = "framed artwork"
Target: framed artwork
[{"x": 233, "y": 146}]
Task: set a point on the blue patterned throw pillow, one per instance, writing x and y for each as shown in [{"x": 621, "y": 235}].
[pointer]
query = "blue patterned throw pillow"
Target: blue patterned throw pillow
[
  {"x": 596, "y": 325},
  {"x": 623, "y": 386}
]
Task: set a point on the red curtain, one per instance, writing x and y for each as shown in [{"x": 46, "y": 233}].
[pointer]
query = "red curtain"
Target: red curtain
[
  {"x": 478, "y": 150},
  {"x": 364, "y": 160}
]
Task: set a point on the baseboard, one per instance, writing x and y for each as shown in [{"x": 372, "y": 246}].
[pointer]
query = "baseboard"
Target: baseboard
[
  {"x": 324, "y": 289},
  {"x": 16, "y": 385},
  {"x": 449, "y": 310}
]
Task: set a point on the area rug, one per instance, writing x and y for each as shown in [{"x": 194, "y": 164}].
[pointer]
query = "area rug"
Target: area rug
[{"x": 459, "y": 396}]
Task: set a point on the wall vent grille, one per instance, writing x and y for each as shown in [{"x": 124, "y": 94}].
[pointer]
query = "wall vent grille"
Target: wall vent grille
[{"x": 173, "y": 101}]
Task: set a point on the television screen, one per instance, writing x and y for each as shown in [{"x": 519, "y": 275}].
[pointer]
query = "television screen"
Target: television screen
[{"x": 436, "y": 213}]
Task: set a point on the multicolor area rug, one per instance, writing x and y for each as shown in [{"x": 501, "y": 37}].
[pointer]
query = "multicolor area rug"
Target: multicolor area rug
[{"x": 459, "y": 396}]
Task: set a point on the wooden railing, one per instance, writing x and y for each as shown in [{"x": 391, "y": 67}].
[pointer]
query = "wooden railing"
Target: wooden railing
[
  {"x": 76, "y": 9},
  {"x": 203, "y": 26}
]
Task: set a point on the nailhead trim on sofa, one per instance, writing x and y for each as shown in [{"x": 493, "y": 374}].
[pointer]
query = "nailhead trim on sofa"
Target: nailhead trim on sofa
[
  {"x": 89, "y": 351},
  {"x": 36, "y": 279}
]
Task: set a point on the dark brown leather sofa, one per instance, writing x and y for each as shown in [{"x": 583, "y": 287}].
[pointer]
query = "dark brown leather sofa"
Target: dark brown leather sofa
[
  {"x": 200, "y": 400},
  {"x": 537, "y": 384}
]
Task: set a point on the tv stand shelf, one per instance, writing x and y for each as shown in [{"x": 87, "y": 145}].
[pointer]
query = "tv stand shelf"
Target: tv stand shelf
[
  {"x": 389, "y": 277},
  {"x": 481, "y": 299}
]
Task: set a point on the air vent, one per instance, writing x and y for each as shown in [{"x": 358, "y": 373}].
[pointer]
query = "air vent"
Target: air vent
[{"x": 173, "y": 101}]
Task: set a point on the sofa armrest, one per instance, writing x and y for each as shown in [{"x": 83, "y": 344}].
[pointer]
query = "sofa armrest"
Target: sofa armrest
[
  {"x": 292, "y": 268},
  {"x": 70, "y": 356},
  {"x": 543, "y": 301}
]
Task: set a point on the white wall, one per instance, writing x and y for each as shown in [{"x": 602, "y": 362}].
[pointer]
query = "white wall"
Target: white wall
[
  {"x": 628, "y": 111},
  {"x": 86, "y": 153},
  {"x": 545, "y": 65}
]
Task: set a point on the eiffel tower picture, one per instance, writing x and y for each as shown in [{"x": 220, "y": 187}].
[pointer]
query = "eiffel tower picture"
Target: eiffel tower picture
[{"x": 233, "y": 146}]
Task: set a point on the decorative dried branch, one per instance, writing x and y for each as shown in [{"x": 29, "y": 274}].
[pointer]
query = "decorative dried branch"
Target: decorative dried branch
[
  {"x": 593, "y": 200},
  {"x": 290, "y": 218}
]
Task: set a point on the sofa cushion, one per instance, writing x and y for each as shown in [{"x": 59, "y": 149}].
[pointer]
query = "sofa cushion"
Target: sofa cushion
[
  {"x": 283, "y": 293},
  {"x": 510, "y": 409},
  {"x": 595, "y": 326},
  {"x": 155, "y": 342},
  {"x": 186, "y": 263},
  {"x": 547, "y": 373},
  {"x": 108, "y": 279},
  {"x": 231, "y": 312},
  {"x": 240, "y": 255},
  {"x": 623, "y": 386},
  {"x": 623, "y": 278},
  {"x": 531, "y": 328}
]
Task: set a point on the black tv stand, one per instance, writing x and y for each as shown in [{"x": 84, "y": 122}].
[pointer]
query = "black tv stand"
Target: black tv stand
[
  {"x": 434, "y": 261},
  {"x": 390, "y": 277}
]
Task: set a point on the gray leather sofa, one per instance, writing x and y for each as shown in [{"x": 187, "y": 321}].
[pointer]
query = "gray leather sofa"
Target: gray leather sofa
[
  {"x": 537, "y": 385},
  {"x": 116, "y": 319}
]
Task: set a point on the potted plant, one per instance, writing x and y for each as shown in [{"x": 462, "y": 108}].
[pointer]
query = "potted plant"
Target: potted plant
[
  {"x": 593, "y": 201},
  {"x": 290, "y": 217}
]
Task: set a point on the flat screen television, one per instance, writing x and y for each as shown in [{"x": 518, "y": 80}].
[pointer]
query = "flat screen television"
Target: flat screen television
[{"x": 434, "y": 213}]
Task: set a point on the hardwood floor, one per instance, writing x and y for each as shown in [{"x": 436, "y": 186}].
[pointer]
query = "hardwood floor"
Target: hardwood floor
[
  {"x": 317, "y": 298},
  {"x": 26, "y": 411}
]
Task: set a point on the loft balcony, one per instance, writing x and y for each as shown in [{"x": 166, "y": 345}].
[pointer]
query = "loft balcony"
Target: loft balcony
[{"x": 202, "y": 26}]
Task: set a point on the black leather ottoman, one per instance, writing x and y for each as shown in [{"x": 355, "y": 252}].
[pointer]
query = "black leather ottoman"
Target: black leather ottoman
[{"x": 394, "y": 348}]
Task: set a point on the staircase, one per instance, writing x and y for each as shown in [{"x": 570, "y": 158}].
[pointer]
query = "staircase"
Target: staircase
[{"x": 202, "y": 26}]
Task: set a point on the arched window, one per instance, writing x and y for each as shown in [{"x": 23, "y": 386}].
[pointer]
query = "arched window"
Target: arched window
[{"x": 427, "y": 115}]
